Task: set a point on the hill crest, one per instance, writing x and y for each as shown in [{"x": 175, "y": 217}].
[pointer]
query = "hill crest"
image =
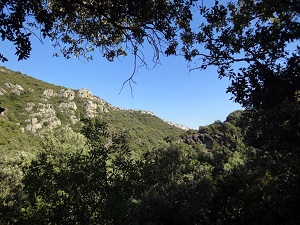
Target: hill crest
[{"x": 35, "y": 104}]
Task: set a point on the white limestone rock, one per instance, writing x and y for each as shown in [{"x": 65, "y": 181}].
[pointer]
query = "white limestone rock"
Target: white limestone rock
[
  {"x": 90, "y": 108},
  {"x": 84, "y": 93},
  {"x": 48, "y": 93},
  {"x": 67, "y": 93},
  {"x": 68, "y": 106},
  {"x": 46, "y": 110},
  {"x": 14, "y": 88}
]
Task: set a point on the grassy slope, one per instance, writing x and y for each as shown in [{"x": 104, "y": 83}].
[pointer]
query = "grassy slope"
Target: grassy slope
[{"x": 146, "y": 131}]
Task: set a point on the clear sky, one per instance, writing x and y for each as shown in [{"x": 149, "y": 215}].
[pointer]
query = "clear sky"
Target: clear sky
[{"x": 169, "y": 90}]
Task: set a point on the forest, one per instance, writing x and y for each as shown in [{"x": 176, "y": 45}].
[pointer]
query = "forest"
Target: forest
[
  {"x": 132, "y": 168},
  {"x": 126, "y": 167}
]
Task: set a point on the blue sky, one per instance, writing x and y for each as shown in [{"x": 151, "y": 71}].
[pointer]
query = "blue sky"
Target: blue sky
[{"x": 169, "y": 90}]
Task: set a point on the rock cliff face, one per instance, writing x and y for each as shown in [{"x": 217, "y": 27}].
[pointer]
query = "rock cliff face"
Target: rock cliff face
[
  {"x": 67, "y": 93},
  {"x": 85, "y": 93},
  {"x": 209, "y": 138},
  {"x": 63, "y": 93},
  {"x": 64, "y": 106},
  {"x": 51, "y": 104},
  {"x": 44, "y": 115},
  {"x": 204, "y": 139}
]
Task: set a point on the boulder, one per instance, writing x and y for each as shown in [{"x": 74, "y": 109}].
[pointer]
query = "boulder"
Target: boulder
[
  {"x": 46, "y": 110},
  {"x": 68, "y": 105},
  {"x": 90, "y": 108},
  {"x": 67, "y": 93},
  {"x": 84, "y": 93}
]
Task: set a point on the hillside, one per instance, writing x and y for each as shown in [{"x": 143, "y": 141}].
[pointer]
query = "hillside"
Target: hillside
[
  {"x": 69, "y": 157},
  {"x": 34, "y": 105},
  {"x": 56, "y": 165},
  {"x": 37, "y": 116}
]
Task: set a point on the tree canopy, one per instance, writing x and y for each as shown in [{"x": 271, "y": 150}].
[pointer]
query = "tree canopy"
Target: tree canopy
[
  {"x": 79, "y": 27},
  {"x": 253, "y": 43},
  {"x": 247, "y": 174}
]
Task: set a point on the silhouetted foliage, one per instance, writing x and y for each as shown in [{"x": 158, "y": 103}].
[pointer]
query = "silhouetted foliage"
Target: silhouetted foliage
[
  {"x": 241, "y": 171},
  {"x": 80, "y": 27}
]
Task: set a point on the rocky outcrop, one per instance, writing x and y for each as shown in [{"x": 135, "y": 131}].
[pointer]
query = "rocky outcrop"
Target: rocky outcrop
[
  {"x": 48, "y": 93},
  {"x": 67, "y": 93},
  {"x": 208, "y": 139},
  {"x": 102, "y": 105},
  {"x": 42, "y": 112},
  {"x": 64, "y": 93},
  {"x": 67, "y": 106},
  {"x": 204, "y": 139},
  {"x": 91, "y": 108},
  {"x": 84, "y": 93},
  {"x": 14, "y": 88},
  {"x": 146, "y": 112},
  {"x": 93, "y": 105},
  {"x": 33, "y": 125},
  {"x": 43, "y": 105},
  {"x": 45, "y": 110},
  {"x": 45, "y": 113}
]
